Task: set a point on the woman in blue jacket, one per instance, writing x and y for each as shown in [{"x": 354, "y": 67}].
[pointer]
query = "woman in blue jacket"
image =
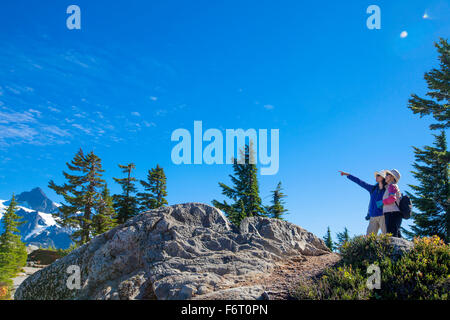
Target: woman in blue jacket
[{"x": 376, "y": 191}]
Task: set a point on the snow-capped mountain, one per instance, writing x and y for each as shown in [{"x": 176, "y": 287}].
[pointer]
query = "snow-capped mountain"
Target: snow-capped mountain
[{"x": 40, "y": 228}]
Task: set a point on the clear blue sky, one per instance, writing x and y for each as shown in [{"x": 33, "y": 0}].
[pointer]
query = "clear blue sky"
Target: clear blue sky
[{"x": 137, "y": 70}]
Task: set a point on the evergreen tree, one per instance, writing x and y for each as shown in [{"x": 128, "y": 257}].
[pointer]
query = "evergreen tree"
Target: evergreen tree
[
  {"x": 277, "y": 210},
  {"x": 431, "y": 196},
  {"x": 439, "y": 85},
  {"x": 342, "y": 237},
  {"x": 104, "y": 220},
  {"x": 245, "y": 192},
  {"x": 13, "y": 253},
  {"x": 329, "y": 240},
  {"x": 126, "y": 204},
  {"x": 82, "y": 195},
  {"x": 156, "y": 190}
]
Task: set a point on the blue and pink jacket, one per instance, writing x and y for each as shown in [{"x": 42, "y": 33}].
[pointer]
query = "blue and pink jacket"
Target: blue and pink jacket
[{"x": 376, "y": 196}]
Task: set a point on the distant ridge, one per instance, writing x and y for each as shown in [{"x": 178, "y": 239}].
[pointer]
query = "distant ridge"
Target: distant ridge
[{"x": 41, "y": 228}]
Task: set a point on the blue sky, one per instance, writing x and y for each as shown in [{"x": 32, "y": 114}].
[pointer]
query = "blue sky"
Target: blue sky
[{"x": 137, "y": 70}]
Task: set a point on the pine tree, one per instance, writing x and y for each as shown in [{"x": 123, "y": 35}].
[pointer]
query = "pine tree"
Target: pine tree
[
  {"x": 439, "y": 85},
  {"x": 126, "y": 204},
  {"x": 156, "y": 190},
  {"x": 82, "y": 195},
  {"x": 329, "y": 240},
  {"x": 245, "y": 192},
  {"x": 13, "y": 253},
  {"x": 432, "y": 195},
  {"x": 104, "y": 220},
  {"x": 342, "y": 237},
  {"x": 277, "y": 210}
]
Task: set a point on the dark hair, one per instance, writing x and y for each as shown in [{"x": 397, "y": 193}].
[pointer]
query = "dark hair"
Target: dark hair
[{"x": 384, "y": 181}]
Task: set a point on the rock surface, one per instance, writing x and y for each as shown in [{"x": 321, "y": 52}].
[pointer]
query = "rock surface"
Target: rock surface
[
  {"x": 186, "y": 251},
  {"x": 400, "y": 246}
]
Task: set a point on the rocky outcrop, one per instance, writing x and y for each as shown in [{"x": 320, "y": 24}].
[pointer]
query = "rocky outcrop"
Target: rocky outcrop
[
  {"x": 186, "y": 251},
  {"x": 400, "y": 246}
]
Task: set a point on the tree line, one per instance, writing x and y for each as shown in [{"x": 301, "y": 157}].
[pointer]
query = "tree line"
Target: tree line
[{"x": 89, "y": 208}]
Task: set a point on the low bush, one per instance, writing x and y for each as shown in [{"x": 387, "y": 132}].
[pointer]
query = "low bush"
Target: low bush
[{"x": 421, "y": 273}]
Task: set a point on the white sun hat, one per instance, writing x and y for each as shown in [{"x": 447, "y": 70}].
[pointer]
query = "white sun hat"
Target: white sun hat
[
  {"x": 380, "y": 173},
  {"x": 394, "y": 173}
]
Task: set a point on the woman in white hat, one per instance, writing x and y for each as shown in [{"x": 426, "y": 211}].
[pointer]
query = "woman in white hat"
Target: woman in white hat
[{"x": 391, "y": 199}]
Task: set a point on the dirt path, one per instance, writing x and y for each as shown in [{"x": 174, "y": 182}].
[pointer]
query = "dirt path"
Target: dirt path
[{"x": 285, "y": 277}]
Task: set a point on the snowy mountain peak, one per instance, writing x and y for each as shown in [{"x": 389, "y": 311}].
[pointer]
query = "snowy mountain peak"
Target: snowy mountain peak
[
  {"x": 36, "y": 200},
  {"x": 41, "y": 227}
]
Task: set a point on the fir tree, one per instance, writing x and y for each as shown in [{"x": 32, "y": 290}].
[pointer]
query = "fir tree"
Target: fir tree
[
  {"x": 431, "y": 196},
  {"x": 277, "y": 210},
  {"x": 126, "y": 204},
  {"x": 156, "y": 190},
  {"x": 329, "y": 240},
  {"x": 439, "y": 91},
  {"x": 342, "y": 237},
  {"x": 245, "y": 192},
  {"x": 13, "y": 254},
  {"x": 82, "y": 195},
  {"x": 104, "y": 220}
]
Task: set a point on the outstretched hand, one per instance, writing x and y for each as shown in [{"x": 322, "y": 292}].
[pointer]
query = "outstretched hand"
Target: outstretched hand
[{"x": 344, "y": 173}]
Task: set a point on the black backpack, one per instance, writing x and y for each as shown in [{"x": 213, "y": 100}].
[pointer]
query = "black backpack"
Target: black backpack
[{"x": 405, "y": 207}]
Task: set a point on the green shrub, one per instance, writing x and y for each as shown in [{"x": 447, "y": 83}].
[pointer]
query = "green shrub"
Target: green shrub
[
  {"x": 421, "y": 273},
  {"x": 363, "y": 251},
  {"x": 341, "y": 283}
]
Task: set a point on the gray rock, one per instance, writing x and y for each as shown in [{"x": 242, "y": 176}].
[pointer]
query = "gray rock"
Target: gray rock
[
  {"x": 400, "y": 246},
  {"x": 183, "y": 251},
  {"x": 239, "y": 293}
]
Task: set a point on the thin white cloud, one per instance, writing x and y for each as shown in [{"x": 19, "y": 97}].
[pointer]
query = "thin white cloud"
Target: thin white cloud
[
  {"x": 136, "y": 114},
  {"x": 16, "y": 117},
  {"x": 83, "y": 129},
  {"x": 268, "y": 107},
  {"x": 54, "y": 109},
  {"x": 149, "y": 124},
  {"x": 153, "y": 98},
  {"x": 36, "y": 112},
  {"x": 161, "y": 112},
  {"x": 56, "y": 130}
]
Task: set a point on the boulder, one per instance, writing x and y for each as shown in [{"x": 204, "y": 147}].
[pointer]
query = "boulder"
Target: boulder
[
  {"x": 185, "y": 251},
  {"x": 400, "y": 246}
]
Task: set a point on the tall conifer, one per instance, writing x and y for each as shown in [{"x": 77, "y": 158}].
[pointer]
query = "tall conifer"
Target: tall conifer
[
  {"x": 156, "y": 190},
  {"x": 245, "y": 192},
  {"x": 431, "y": 196},
  {"x": 13, "y": 254},
  {"x": 82, "y": 195},
  {"x": 126, "y": 204},
  {"x": 104, "y": 220}
]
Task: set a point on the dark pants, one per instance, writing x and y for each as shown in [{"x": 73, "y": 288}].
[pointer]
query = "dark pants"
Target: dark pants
[{"x": 393, "y": 221}]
